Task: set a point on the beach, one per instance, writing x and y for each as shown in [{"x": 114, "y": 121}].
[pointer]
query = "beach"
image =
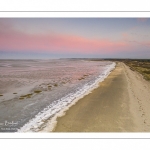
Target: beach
[{"x": 121, "y": 103}]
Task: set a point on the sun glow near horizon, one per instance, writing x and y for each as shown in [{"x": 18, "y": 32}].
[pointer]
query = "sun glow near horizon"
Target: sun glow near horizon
[{"x": 74, "y": 37}]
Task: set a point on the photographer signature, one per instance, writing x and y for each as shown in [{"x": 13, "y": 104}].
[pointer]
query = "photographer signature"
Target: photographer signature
[{"x": 7, "y": 123}]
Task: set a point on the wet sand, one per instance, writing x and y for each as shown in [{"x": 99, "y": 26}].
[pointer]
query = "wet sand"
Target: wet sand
[{"x": 120, "y": 104}]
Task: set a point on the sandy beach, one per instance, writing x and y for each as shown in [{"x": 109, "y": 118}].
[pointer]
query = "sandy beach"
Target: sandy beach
[{"x": 121, "y": 103}]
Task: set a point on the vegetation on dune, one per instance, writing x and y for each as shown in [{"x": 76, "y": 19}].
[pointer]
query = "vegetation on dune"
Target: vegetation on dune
[
  {"x": 141, "y": 66},
  {"x": 1, "y": 95}
]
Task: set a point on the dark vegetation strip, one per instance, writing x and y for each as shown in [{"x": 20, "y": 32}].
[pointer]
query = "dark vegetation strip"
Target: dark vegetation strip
[{"x": 140, "y": 65}]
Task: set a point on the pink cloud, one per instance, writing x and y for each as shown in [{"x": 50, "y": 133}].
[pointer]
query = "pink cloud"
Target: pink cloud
[
  {"x": 142, "y": 19},
  {"x": 14, "y": 40}
]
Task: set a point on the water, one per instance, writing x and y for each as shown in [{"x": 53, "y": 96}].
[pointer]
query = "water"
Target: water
[{"x": 34, "y": 91}]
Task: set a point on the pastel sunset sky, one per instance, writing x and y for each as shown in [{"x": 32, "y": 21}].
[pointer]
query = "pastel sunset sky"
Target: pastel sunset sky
[{"x": 74, "y": 38}]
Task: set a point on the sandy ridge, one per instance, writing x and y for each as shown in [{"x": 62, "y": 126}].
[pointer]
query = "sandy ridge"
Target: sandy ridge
[
  {"x": 139, "y": 94},
  {"x": 120, "y": 104}
]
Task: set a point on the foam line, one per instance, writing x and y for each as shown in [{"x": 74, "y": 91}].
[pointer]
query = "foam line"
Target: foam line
[{"x": 57, "y": 108}]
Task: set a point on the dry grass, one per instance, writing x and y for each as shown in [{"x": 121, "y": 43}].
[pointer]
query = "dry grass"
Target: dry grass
[{"x": 141, "y": 66}]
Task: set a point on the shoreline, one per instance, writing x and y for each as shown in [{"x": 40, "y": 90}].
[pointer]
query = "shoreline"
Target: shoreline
[
  {"x": 107, "y": 110},
  {"x": 45, "y": 120},
  {"x": 51, "y": 123}
]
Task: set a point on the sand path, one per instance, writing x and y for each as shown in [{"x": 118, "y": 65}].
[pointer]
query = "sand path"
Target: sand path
[{"x": 120, "y": 104}]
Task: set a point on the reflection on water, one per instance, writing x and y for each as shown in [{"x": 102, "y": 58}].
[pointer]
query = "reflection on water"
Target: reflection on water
[{"x": 28, "y": 86}]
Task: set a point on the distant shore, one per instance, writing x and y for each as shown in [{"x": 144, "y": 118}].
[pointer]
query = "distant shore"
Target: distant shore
[{"x": 120, "y": 104}]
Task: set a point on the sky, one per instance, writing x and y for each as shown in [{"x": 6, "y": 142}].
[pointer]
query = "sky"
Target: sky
[{"x": 46, "y": 38}]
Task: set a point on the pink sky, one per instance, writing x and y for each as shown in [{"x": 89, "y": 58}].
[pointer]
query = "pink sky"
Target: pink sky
[
  {"x": 21, "y": 35},
  {"x": 20, "y": 42}
]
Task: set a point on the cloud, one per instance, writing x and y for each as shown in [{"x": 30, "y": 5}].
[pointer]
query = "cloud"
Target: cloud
[
  {"x": 142, "y": 19},
  {"x": 14, "y": 40}
]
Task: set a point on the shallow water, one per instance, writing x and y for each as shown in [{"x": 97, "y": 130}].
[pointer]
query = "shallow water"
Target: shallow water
[{"x": 35, "y": 90}]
